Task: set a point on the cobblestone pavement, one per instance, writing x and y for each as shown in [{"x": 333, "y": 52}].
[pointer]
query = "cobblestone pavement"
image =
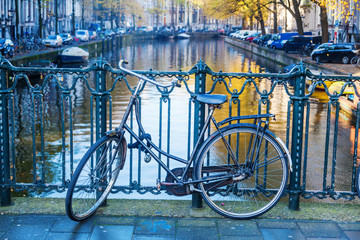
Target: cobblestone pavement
[{"x": 39, "y": 227}]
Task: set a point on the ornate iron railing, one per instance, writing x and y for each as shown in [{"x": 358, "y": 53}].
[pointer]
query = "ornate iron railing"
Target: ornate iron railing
[{"x": 50, "y": 116}]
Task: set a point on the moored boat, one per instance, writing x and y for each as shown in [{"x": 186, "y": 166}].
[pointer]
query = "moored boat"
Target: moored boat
[
  {"x": 73, "y": 55},
  {"x": 183, "y": 36}
]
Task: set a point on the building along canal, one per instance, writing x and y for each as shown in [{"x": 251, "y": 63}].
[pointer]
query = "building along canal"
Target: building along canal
[{"x": 54, "y": 164}]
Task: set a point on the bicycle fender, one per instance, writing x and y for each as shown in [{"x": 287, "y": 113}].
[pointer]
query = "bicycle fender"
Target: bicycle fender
[
  {"x": 286, "y": 151},
  {"x": 123, "y": 157},
  {"x": 122, "y": 144},
  {"x": 282, "y": 144}
]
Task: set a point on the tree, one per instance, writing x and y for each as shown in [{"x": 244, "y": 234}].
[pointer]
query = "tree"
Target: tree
[
  {"x": 157, "y": 10},
  {"x": 323, "y": 19},
  {"x": 246, "y": 8},
  {"x": 293, "y": 7},
  {"x": 39, "y": 2},
  {"x": 114, "y": 9}
]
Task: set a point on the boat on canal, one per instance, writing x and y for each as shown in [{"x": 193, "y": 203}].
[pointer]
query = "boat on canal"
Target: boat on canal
[
  {"x": 183, "y": 36},
  {"x": 74, "y": 55}
]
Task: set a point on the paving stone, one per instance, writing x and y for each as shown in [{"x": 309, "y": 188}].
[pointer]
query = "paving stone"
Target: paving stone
[
  {"x": 275, "y": 234},
  {"x": 350, "y": 226},
  {"x": 277, "y": 224},
  {"x": 45, "y": 220},
  {"x": 149, "y": 237},
  {"x": 196, "y": 233},
  {"x": 320, "y": 229},
  {"x": 67, "y": 236},
  {"x": 155, "y": 227},
  {"x": 238, "y": 228},
  {"x": 196, "y": 223},
  {"x": 115, "y": 221},
  {"x": 352, "y": 235},
  {"x": 321, "y": 238},
  {"x": 112, "y": 232},
  {"x": 241, "y": 238},
  {"x": 28, "y": 232},
  {"x": 6, "y": 221},
  {"x": 64, "y": 224}
]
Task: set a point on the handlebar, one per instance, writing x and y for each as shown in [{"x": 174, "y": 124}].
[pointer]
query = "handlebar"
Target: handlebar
[{"x": 143, "y": 77}]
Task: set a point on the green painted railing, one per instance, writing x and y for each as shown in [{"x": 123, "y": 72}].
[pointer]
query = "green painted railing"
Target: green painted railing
[{"x": 52, "y": 103}]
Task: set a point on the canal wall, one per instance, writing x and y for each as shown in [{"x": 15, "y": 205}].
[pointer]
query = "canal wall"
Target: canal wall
[
  {"x": 282, "y": 58},
  {"x": 52, "y": 54}
]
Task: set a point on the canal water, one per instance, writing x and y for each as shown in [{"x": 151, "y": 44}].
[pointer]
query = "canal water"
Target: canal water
[{"x": 170, "y": 55}]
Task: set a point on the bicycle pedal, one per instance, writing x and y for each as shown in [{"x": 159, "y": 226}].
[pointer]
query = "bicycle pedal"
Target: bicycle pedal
[{"x": 194, "y": 189}]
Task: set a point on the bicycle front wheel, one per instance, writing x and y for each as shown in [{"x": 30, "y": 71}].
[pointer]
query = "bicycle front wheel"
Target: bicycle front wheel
[
  {"x": 249, "y": 185},
  {"x": 94, "y": 177}
]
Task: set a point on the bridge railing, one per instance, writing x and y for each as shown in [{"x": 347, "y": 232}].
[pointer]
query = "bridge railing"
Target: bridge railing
[{"x": 50, "y": 116}]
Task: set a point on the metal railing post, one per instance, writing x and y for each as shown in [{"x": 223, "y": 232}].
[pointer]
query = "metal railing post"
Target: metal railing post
[
  {"x": 100, "y": 102},
  {"x": 297, "y": 139},
  {"x": 199, "y": 116},
  {"x": 4, "y": 141}
]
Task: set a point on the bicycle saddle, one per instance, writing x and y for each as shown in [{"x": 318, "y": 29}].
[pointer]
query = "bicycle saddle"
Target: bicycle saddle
[{"x": 212, "y": 99}]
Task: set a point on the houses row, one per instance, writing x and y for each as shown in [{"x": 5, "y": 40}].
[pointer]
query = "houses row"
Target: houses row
[{"x": 19, "y": 17}]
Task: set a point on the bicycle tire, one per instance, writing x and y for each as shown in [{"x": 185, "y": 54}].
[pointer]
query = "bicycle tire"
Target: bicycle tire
[
  {"x": 251, "y": 192},
  {"x": 35, "y": 47},
  {"x": 91, "y": 184},
  {"x": 354, "y": 60},
  {"x": 357, "y": 183}
]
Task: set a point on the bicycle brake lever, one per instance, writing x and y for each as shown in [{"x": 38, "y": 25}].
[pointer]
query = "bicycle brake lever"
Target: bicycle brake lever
[{"x": 122, "y": 63}]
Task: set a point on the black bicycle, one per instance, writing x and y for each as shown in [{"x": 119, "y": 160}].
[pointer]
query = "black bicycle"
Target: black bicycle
[{"x": 241, "y": 169}]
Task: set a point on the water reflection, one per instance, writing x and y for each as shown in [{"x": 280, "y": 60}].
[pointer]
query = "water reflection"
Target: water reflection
[{"x": 58, "y": 110}]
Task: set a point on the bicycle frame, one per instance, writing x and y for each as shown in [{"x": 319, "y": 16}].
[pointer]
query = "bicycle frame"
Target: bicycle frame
[
  {"x": 146, "y": 147},
  {"x": 150, "y": 145}
]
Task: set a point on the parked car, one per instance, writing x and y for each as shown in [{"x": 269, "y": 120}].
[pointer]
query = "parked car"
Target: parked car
[
  {"x": 281, "y": 38},
  {"x": 339, "y": 52},
  {"x": 92, "y": 35},
  {"x": 83, "y": 35},
  {"x": 262, "y": 40},
  {"x": 270, "y": 41},
  {"x": 120, "y": 31},
  {"x": 251, "y": 37},
  {"x": 108, "y": 33},
  {"x": 53, "y": 41},
  {"x": 145, "y": 29},
  {"x": 297, "y": 43},
  {"x": 235, "y": 34},
  {"x": 66, "y": 38}
]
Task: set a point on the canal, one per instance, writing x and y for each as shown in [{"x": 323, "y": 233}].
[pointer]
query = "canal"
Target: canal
[{"x": 169, "y": 55}]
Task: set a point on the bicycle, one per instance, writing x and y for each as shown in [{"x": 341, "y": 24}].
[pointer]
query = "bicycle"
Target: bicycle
[{"x": 241, "y": 170}]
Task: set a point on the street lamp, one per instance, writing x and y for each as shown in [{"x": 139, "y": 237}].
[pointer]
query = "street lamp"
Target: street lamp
[{"x": 5, "y": 20}]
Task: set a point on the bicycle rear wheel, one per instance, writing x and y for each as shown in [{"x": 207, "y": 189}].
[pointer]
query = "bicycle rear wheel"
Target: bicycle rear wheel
[
  {"x": 249, "y": 187},
  {"x": 94, "y": 177}
]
